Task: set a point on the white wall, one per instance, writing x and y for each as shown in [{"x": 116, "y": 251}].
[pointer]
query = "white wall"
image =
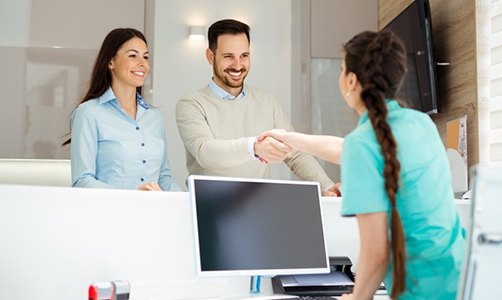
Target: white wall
[
  {"x": 180, "y": 67},
  {"x": 14, "y": 31},
  {"x": 14, "y": 34}
]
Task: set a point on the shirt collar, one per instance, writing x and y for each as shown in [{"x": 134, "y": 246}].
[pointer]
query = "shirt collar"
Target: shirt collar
[
  {"x": 391, "y": 104},
  {"x": 224, "y": 95},
  {"x": 109, "y": 95},
  {"x": 141, "y": 102}
]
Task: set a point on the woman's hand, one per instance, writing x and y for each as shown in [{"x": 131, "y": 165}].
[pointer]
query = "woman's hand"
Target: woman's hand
[
  {"x": 271, "y": 150},
  {"x": 346, "y": 297},
  {"x": 278, "y": 134},
  {"x": 150, "y": 186}
]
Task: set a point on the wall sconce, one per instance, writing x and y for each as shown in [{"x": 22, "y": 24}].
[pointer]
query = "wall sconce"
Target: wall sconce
[{"x": 197, "y": 33}]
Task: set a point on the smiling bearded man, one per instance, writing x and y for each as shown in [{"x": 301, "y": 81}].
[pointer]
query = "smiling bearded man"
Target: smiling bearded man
[{"x": 219, "y": 124}]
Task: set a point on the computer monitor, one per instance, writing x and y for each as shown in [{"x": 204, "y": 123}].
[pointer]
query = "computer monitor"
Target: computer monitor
[{"x": 257, "y": 226}]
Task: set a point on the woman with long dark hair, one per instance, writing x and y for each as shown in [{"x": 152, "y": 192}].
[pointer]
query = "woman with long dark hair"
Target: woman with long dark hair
[
  {"x": 117, "y": 139},
  {"x": 395, "y": 179}
]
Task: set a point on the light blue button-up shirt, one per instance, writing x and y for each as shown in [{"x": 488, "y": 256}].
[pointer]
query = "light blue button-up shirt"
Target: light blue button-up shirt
[
  {"x": 224, "y": 95},
  {"x": 109, "y": 149}
]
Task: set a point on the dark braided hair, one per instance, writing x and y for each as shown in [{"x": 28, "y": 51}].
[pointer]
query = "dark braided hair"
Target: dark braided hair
[{"x": 379, "y": 62}]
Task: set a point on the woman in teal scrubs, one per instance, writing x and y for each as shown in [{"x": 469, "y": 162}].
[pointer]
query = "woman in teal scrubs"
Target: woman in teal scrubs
[{"x": 395, "y": 179}]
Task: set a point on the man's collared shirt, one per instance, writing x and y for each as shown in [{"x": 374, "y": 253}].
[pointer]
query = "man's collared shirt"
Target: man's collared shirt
[{"x": 224, "y": 95}]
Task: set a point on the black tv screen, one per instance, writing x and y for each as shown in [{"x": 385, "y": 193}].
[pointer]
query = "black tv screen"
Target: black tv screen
[{"x": 413, "y": 26}]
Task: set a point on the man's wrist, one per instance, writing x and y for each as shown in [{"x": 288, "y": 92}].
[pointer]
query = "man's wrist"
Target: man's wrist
[{"x": 251, "y": 143}]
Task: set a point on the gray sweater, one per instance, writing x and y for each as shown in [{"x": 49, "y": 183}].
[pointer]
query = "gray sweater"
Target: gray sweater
[{"x": 215, "y": 133}]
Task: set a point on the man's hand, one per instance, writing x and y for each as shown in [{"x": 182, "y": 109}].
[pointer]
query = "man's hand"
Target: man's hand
[
  {"x": 270, "y": 150},
  {"x": 333, "y": 191},
  {"x": 151, "y": 186},
  {"x": 278, "y": 134}
]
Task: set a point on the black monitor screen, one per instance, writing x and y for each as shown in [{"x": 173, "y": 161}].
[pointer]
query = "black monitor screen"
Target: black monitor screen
[{"x": 257, "y": 226}]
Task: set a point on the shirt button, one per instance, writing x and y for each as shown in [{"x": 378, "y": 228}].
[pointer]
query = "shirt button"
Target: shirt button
[
  {"x": 143, "y": 144},
  {"x": 144, "y": 161},
  {"x": 142, "y": 179},
  {"x": 137, "y": 127}
]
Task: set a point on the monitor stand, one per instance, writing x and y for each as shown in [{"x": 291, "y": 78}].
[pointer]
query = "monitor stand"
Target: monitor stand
[{"x": 255, "y": 292}]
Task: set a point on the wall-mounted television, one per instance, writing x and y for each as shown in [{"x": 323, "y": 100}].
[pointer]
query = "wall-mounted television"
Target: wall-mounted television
[{"x": 413, "y": 26}]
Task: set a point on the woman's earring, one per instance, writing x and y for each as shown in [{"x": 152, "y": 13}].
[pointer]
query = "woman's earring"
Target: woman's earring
[{"x": 349, "y": 93}]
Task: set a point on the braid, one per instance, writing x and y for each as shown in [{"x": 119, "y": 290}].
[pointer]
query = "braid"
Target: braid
[
  {"x": 380, "y": 72},
  {"x": 378, "y": 116},
  {"x": 373, "y": 96}
]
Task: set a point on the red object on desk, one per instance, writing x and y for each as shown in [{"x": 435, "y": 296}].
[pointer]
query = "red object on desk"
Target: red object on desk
[{"x": 101, "y": 291}]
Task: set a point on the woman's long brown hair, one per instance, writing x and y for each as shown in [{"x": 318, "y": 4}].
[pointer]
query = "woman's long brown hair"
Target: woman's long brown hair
[
  {"x": 101, "y": 78},
  {"x": 379, "y": 62}
]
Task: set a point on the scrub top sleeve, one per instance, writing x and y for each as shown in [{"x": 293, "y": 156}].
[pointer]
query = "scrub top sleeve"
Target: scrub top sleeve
[{"x": 362, "y": 181}]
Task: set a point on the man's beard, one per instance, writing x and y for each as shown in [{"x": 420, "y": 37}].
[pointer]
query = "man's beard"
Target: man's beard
[{"x": 222, "y": 76}]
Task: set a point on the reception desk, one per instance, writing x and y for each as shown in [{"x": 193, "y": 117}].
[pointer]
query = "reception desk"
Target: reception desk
[{"x": 56, "y": 241}]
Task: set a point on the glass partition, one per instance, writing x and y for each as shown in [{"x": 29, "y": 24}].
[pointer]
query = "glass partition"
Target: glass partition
[
  {"x": 330, "y": 114},
  {"x": 47, "y": 50}
]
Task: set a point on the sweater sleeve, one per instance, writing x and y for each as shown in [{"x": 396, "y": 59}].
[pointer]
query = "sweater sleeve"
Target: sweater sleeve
[
  {"x": 199, "y": 140},
  {"x": 303, "y": 165}
]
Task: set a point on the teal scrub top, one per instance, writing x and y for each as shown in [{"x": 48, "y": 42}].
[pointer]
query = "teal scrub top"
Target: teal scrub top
[{"x": 435, "y": 239}]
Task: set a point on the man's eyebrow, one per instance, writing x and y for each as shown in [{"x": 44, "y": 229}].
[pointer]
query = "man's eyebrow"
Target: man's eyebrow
[{"x": 228, "y": 53}]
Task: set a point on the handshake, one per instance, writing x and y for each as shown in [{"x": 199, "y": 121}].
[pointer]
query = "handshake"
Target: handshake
[
  {"x": 276, "y": 145},
  {"x": 272, "y": 146}
]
